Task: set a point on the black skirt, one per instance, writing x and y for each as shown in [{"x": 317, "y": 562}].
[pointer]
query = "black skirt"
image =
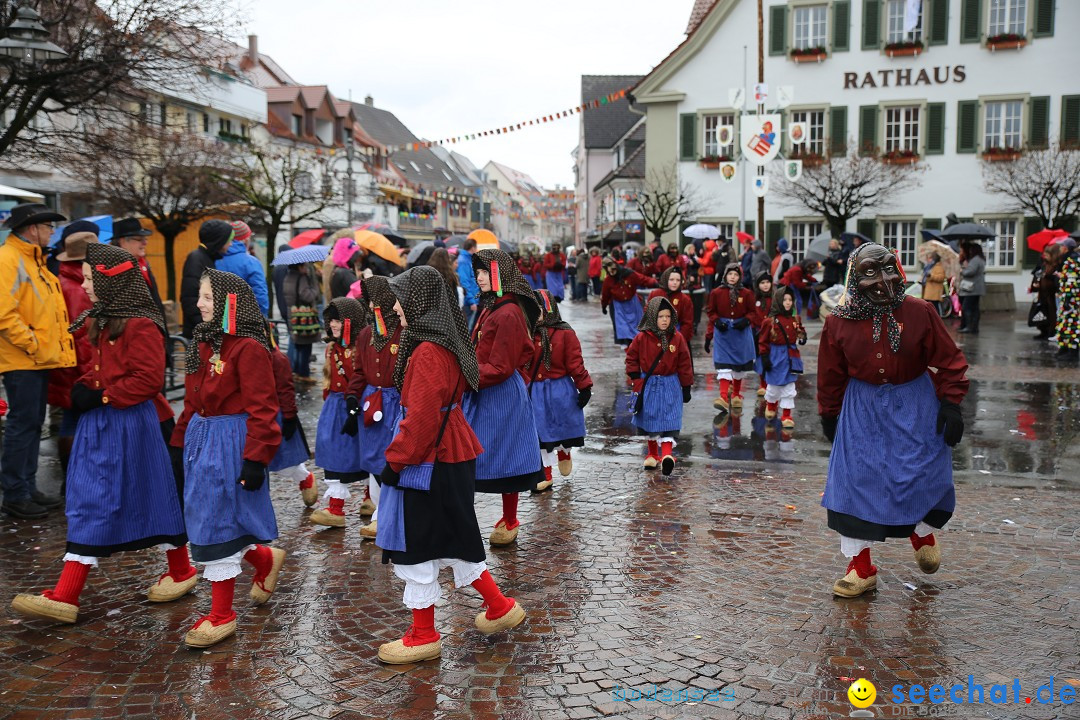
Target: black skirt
[
  {"x": 853, "y": 527},
  {"x": 441, "y": 523}
]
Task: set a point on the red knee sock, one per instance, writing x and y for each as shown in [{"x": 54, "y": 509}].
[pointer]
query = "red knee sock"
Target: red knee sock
[
  {"x": 564, "y": 455},
  {"x": 763, "y": 383},
  {"x": 666, "y": 449},
  {"x": 738, "y": 387},
  {"x": 180, "y": 568},
  {"x": 262, "y": 559},
  {"x": 307, "y": 482},
  {"x": 917, "y": 542},
  {"x": 423, "y": 629},
  {"x": 770, "y": 407},
  {"x": 547, "y": 472},
  {"x": 70, "y": 585},
  {"x": 221, "y": 602},
  {"x": 337, "y": 507},
  {"x": 654, "y": 449},
  {"x": 786, "y": 414},
  {"x": 725, "y": 388},
  {"x": 497, "y": 604},
  {"x": 510, "y": 503},
  {"x": 861, "y": 564},
  {"x": 367, "y": 493}
]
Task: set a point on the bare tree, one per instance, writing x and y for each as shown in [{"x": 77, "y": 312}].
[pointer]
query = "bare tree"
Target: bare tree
[
  {"x": 845, "y": 187},
  {"x": 664, "y": 201},
  {"x": 1042, "y": 182}
]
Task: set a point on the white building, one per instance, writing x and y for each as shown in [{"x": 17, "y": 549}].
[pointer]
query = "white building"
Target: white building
[{"x": 973, "y": 76}]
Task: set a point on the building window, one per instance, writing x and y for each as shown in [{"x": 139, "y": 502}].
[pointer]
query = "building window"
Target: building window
[
  {"x": 903, "y": 236},
  {"x": 801, "y": 234},
  {"x": 206, "y": 123},
  {"x": 711, "y": 146},
  {"x": 1007, "y": 17},
  {"x": 810, "y": 27},
  {"x": 297, "y": 125},
  {"x": 1001, "y": 251},
  {"x": 305, "y": 185},
  {"x": 815, "y": 130},
  {"x": 727, "y": 230},
  {"x": 226, "y": 126},
  {"x": 895, "y": 16},
  {"x": 901, "y": 130},
  {"x": 1004, "y": 124}
]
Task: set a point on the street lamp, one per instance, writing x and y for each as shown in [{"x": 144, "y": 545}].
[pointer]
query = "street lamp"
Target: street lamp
[
  {"x": 350, "y": 153},
  {"x": 28, "y": 40}
]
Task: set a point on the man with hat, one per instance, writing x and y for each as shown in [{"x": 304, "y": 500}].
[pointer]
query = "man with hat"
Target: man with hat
[
  {"x": 130, "y": 235},
  {"x": 237, "y": 261},
  {"x": 34, "y": 339}
]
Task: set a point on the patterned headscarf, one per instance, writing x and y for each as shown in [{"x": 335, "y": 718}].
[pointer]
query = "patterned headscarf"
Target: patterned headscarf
[
  {"x": 506, "y": 278},
  {"x": 652, "y": 314},
  {"x": 120, "y": 288},
  {"x": 382, "y": 318},
  {"x": 856, "y": 306},
  {"x": 432, "y": 316},
  {"x": 549, "y": 320},
  {"x": 777, "y": 307},
  {"x": 662, "y": 284},
  {"x": 352, "y": 315},
  {"x": 733, "y": 290},
  {"x": 235, "y": 313}
]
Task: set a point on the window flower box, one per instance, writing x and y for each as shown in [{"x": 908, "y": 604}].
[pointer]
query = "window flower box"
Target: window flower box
[
  {"x": 809, "y": 159},
  {"x": 1009, "y": 41},
  {"x": 713, "y": 162},
  {"x": 814, "y": 54},
  {"x": 900, "y": 157},
  {"x": 908, "y": 48},
  {"x": 997, "y": 154}
]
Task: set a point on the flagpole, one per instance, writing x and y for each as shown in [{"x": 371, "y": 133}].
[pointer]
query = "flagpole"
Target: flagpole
[{"x": 761, "y": 109}]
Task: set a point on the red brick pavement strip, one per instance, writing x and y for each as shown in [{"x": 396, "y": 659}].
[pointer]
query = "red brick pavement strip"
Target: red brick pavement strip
[{"x": 706, "y": 580}]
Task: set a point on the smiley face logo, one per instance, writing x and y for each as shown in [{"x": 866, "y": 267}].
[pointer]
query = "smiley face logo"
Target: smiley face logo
[{"x": 862, "y": 693}]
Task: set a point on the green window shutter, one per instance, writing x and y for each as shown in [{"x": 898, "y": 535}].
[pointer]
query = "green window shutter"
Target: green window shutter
[
  {"x": 688, "y": 136},
  {"x": 1039, "y": 130},
  {"x": 838, "y": 137},
  {"x": 935, "y": 129},
  {"x": 868, "y": 116},
  {"x": 778, "y": 37},
  {"x": 931, "y": 223},
  {"x": 1070, "y": 121},
  {"x": 774, "y": 230},
  {"x": 938, "y": 15},
  {"x": 1030, "y": 258},
  {"x": 748, "y": 227},
  {"x": 967, "y": 120},
  {"x": 841, "y": 27},
  {"x": 871, "y": 24},
  {"x": 970, "y": 21},
  {"x": 867, "y": 227},
  {"x": 1044, "y": 18}
]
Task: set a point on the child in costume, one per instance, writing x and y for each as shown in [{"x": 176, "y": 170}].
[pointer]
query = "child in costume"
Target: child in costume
[
  {"x": 779, "y": 355},
  {"x": 498, "y": 409},
  {"x": 670, "y": 286},
  {"x": 336, "y": 452},
  {"x": 763, "y": 292},
  {"x": 229, "y": 433},
  {"x": 559, "y": 389},
  {"x": 660, "y": 371},
  {"x": 293, "y": 451},
  {"x": 121, "y": 494},
  {"x": 619, "y": 292},
  {"x": 892, "y": 422},
  {"x": 426, "y": 516},
  {"x": 730, "y": 308},
  {"x": 372, "y": 387}
]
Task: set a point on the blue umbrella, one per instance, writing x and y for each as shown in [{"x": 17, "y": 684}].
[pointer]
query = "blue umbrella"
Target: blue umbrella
[
  {"x": 928, "y": 235},
  {"x": 104, "y": 223},
  {"x": 299, "y": 256}
]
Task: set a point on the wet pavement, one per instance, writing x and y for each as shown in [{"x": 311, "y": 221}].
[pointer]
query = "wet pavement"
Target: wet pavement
[{"x": 712, "y": 585}]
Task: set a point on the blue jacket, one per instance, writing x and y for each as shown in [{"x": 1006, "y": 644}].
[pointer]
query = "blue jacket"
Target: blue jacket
[
  {"x": 467, "y": 277},
  {"x": 237, "y": 261}
]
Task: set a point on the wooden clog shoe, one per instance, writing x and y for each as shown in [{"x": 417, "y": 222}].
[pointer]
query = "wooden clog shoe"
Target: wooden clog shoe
[
  {"x": 398, "y": 653},
  {"x": 514, "y": 617},
  {"x": 929, "y": 557},
  {"x": 851, "y": 585},
  {"x": 369, "y": 531},
  {"x": 166, "y": 589},
  {"x": 43, "y": 608},
  {"x": 206, "y": 633},
  {"x": 261, "y": 591},
  {"x": 501, "y": 536}
]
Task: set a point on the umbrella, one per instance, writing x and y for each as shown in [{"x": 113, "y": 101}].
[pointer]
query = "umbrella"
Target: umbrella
[
  {"x": 417, "y": 251},
  {"x": 387, "y": 232},
  {"x": 485, "y": 238},
  {"x": 950, "y": 260},
  {"x": 850, "y": 237},
  {"x": 633, "y": 244},
  {"x": 819, "y": 247},
  {"x": 25, "y": 194},
  {"x": 299, "y": 256},
  {"x": 376, "y": 243},
  {"x": 104, "y": 223},
  {"x": 928, "y": 235},
  {"x": 1041, "y": 239},
  {"x": 455, "y": 240},
  {"x": 743, "y": 237},
  {"x": 702, "y": 231},
  {"x": 306, "y": 238},
  {"x": 968, "y": 231}
]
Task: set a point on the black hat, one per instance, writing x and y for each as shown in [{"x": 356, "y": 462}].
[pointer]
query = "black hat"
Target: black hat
[
  {"x": 30, "y": 214},
  {"x": 214, "y": 234},
  {"x": 79, "y": 226},
  {"x": 129, "y": 227}
]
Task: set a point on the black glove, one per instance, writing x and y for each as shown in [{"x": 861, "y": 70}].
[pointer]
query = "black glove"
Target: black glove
[
  {"x": 828, "y": 426},
  {"x": 802, "y": 341},
  {"x": 741, "y": 324},
  {"x": 176, "y": 458},
  {"x": 83, "y": 398},
  {"x": 389, "y": 476},
  {"x": 766, "y": 363},
  {"x": 722, "y": 327},
  {"x": 950, "y": 423},
  {"x": 708, "y": 345},
  {"x": 352, "y": 423},
  {"x": 289, "y": 428},
  {"x": 583, "y": 397},
  {"x": 253, "y": 475},
  {"x": 686, "y": 394},
  {"x": 603, "y": 309}
]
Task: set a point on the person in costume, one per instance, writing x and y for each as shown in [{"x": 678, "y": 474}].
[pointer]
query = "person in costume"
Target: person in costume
[
  {"x": 892, "y": 422},
  {"x": 778, "y": 352},
  {"x": 670, "y": 286},
  {"x": 763, "y": 294},
  {"x": 372, "y": 388},
  {"x": 426, "y": 517},
  {"x": 559, "y": 389},
  {"x": 731, "y": 307},
  {"x": 121, "y": 494},
  {"x": 228, "y": 434},
  {"x": 498, "y": 409},
  {"x": 555, "y": 272},
  {"x": 337, "y": 452},
  {"x": 661, "y": 373},
  {"x": 293, "y": 452},
  {"x": 619, "y": 292}
]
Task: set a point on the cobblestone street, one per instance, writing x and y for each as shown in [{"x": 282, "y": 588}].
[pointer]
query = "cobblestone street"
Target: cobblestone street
[{"x": 716, "y": 578}]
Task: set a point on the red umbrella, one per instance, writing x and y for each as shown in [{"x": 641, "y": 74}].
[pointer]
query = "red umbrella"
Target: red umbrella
[
  {"x": 1041, "y": 239},
  {"x": 306, "y": 238},
  {"x": 744, "y": 237}
]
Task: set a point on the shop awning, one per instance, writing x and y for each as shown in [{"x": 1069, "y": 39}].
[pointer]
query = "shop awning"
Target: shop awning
[{"x": 16, "y": 192}]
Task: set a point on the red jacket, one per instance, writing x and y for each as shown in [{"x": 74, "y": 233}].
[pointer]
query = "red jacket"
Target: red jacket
[
  {"x": 502, "y": 340},
  {"x": 640, "y": 266},
  {"x": 796, "y": 278},
  {"x": 596, "y": 265},
  {"x": 684, "y": 310},
  {"x": 371, "y": 367},
  {"x": 719, "y": 306},
  {"x": 283, "y": 384},
  {"x": 342, "y": 368},
  {"x": 554, "y": 263},
  {"x": 538, "y": 271},
  {"x": 762, "y": 306},
  {"x": 566, "y": 359},
  {"x": 61, "y": 380},
  {"x": 130, "y": 369},
  {"x": 244, "y": 385},
  {"x": 676, "y": 359},
  {"x": 664, "y": 262},
  {"x": 622, "y": 290},
  {"x": 771, "y": 334}
]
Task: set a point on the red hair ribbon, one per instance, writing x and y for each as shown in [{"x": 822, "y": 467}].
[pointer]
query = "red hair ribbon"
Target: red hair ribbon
[
  {"x": 346, "y": 332},
  {"x": 228, "y": 319},
  {"x": 114, "y": 271},
  {"x": 496, "y": 280}
]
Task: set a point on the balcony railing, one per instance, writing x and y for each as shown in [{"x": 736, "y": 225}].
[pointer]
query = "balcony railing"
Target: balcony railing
[{"x": 415, "y": 221}]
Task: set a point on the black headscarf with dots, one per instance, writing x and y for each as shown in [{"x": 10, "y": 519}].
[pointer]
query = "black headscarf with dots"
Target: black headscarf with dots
[
  {"x": 652, "y": 314},
  {"x": 345, "y": 308},
  {"x": 856, "y": 306},
  {"x": 510, "y": 281},
  {"x": 550, "y": 320},
  {"x": 376, "y": 290},
  {"x": 235, "y": 313},
  {"x": 120, "y": 288}
]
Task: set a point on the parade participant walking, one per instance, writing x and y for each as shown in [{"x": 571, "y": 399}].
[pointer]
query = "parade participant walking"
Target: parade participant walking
[
  {"x": 595, "y": 269},
  {"x": 228, "y": 434},
  {"x": 121, "y": 494},
  {"x": 555, "y": 272},
  {"x": 670, "y": 259},
  {"x": 559, "y": 389},
  {"x": 1044, "y": 283},
  {"x": 890, "y": 470},
  {"x": 426, "y": 520},
  {"x": 337, "y": 452},
  {"x": 373, "y": 390},
  {"x": 214, "y": 238},
  {"x": 763, "y": 294},
  {"x": 730, "y": 309},
  {"x": 499, "y": 410},
  {"x": 293, "y": 452},
  {"x": 619, "y": 292},
  {"x": 670, "y": 286},
  {"x": 778, "y": 352},
  {"x": 661, "y": 374},
  {"x": 581, "y": 277},
  {"x": 800, "y": 278},
  {"x": 1068, "y": 299}
]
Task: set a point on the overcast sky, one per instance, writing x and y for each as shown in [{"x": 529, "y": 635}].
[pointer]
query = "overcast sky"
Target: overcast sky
[{"x": 448, "y": 68}]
